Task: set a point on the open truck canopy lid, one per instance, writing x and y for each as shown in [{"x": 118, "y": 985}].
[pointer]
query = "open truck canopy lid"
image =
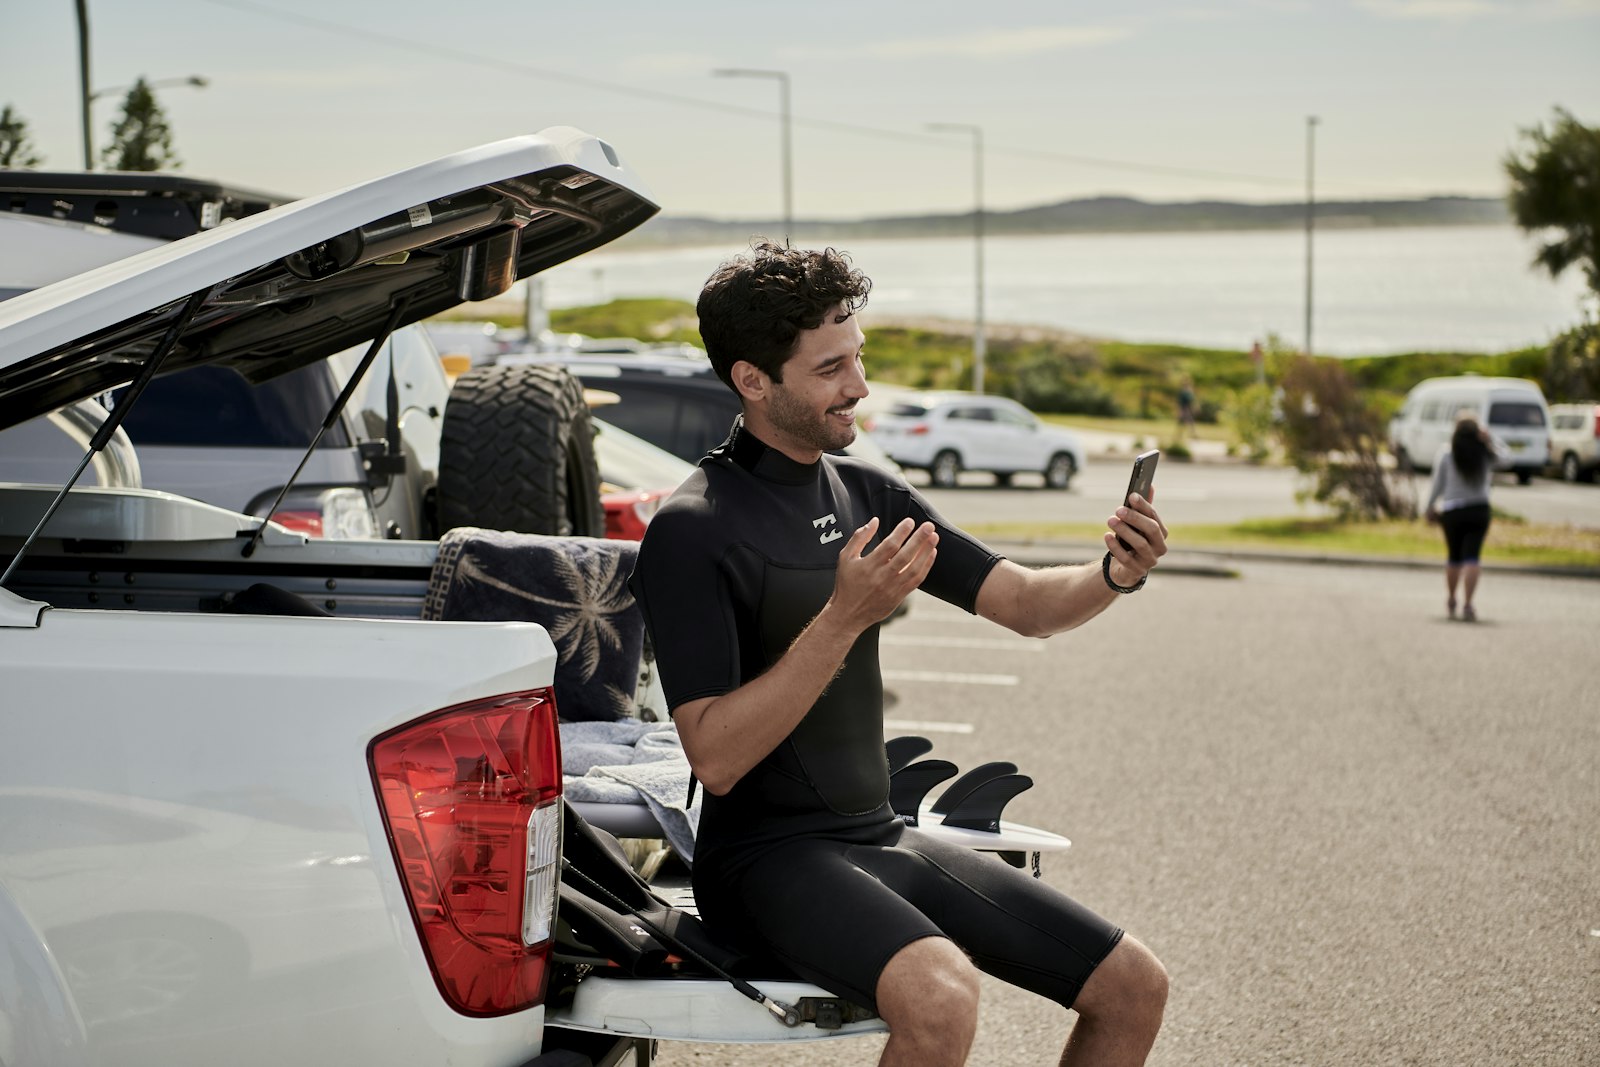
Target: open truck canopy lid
[{"x": 297, "y": 283}]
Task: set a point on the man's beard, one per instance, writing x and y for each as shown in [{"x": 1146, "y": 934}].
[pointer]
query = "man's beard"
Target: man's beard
[{"x": 804, "y": 426}]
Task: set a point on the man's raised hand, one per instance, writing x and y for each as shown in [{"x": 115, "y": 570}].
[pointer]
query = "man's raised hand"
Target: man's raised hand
[{"x": 868, "y": 587}]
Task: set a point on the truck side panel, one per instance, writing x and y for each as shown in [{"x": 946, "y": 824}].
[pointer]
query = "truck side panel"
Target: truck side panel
[{"x": 188, "y": 828}]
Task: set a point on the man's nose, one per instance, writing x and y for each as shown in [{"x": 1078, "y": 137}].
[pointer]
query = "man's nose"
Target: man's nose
[{"x": 856, "y": 386}]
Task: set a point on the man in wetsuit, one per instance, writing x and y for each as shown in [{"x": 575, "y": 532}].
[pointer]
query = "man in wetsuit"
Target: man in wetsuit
[{"x": 763, "y": 581}]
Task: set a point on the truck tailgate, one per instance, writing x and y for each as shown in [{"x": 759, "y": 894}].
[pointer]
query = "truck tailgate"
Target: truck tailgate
[{"x": 188, "y": 827}]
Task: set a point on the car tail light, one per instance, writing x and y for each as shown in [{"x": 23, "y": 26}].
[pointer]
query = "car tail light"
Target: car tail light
[
  {"x": 1597, "y": 420},
  {"x": 471, "y": 803},
  {"x": 917, "y": 429},
  {"x": 342, "y": 514},
  {"x": 305, "y": 522},
  {"x": 629, "y": 511}
]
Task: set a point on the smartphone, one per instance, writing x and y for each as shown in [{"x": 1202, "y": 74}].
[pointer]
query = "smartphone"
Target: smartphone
[{"x": 1142, "y": 479}]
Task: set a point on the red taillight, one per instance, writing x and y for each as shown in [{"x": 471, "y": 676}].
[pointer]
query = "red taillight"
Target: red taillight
[
  {"x": 470, "y": 799},
  {"x": 1597, "y": 420},
  {"x": 628, "y": 512},
  {"x": 306, "y": 522},
  {"x": 917, "y": 430}
]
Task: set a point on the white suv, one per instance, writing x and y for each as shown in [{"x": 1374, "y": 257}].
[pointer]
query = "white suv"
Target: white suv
[
  {"x": 1575, "y": 440},
  {"x": 946, "y": 433}
]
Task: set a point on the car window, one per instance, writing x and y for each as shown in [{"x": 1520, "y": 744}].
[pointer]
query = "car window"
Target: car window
[
  {"x": 686, "y": 421},
  {"x": 1518, "y": 413},
  {"x": 1430, "y": 411},
  {"x": 218, "y": 406},
  {"x": 1013, "y": 418},
  {"x": 971, "y": 414},
  {"x": 910, "y": 411}
]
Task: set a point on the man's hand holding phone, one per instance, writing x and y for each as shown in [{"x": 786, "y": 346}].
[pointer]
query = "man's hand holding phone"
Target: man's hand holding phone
[{"x": 1138, "y": 538}]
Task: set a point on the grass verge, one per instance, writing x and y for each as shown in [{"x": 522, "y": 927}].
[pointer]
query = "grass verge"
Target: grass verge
[{"x": 1511, "y": 541}]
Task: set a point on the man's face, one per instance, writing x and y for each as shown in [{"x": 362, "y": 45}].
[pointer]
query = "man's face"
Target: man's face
[{"x": 814, "y": 406}]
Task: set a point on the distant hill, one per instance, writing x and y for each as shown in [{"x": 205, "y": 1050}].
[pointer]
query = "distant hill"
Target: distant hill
[{"x": 1102, "y": 214}]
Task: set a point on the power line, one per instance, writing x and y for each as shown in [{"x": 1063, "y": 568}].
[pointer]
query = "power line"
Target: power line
[{"x": 438, "y": 50}]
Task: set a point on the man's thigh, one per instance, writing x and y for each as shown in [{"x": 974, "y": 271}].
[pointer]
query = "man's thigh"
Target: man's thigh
[
  {"x": 1014, "y": 926},
  {"x": 836, "y": 913},
  {"x": 813, "y": 906}
]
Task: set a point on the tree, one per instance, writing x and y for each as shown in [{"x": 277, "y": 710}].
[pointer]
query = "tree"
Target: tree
[
  {"x": 1334, "y": 436},
  {"x": 1557, "y": 187},
  {"x": 141, "y": 139},
  {"x": 16, "y": 150}
]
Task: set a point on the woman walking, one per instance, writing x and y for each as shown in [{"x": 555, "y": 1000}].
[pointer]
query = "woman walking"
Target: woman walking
[{"x": 1459, "y": 502}]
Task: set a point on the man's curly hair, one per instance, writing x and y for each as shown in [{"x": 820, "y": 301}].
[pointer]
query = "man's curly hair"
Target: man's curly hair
[{"x": 754, "y": 306}]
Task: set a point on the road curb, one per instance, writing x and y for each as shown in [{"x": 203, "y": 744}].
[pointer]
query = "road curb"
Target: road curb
[{"x": 1213, "y": 563}]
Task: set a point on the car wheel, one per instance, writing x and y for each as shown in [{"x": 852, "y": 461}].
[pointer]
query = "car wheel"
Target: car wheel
[
  {"x": 1570, "y": 471},
  {"x": 1524, "y": 476},
  {"x": 516, "y": 452},
  {"x": 945, "y": 470},
  {"x": 1058, "y": 473}
]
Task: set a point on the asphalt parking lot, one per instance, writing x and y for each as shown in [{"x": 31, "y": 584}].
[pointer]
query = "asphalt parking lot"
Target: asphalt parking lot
[{"x": 1356, "y": 832}]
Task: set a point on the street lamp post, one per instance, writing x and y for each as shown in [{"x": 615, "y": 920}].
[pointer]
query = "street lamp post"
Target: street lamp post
[
  {"x": 782, "y": 79},
  {"x": 979, "y": 347},
  {"x": 1311, "y": 204}
]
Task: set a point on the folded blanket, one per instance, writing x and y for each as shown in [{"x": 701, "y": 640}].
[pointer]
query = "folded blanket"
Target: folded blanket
[
  {"x": 576, "y": 587},
  {"x": 642, "y": 761}
]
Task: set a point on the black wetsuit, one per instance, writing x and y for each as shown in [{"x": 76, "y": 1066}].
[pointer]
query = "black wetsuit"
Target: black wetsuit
[{"x": 732, "y": 568}]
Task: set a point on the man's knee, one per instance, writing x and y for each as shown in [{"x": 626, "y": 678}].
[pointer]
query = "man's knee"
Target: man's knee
[
  {"x": 1130, "y": 985},
  {"x": 930, "y": 987}
]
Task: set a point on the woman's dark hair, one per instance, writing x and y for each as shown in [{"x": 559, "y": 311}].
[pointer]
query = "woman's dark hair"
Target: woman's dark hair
[
  {"x": 754, "y": 306},
  {"x": 1467, "y": 449}
]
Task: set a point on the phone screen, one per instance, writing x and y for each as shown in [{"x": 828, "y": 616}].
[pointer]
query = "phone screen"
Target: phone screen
[{"x": 1142, "y": 479}]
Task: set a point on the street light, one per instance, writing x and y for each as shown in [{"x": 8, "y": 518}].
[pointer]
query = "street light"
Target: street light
[
  {"x": 979, "y": 347},
  {"x": 194, "y": 80},
  {"x": 1311, "y": 203},
  {"x": 782, "y": 79}
]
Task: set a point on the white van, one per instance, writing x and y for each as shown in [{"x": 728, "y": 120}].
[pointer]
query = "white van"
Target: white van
[{"x": 1513, "y": 409}]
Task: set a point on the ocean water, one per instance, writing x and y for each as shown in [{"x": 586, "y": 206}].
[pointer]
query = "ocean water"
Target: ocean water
[{"x": 1374, "y": 292}]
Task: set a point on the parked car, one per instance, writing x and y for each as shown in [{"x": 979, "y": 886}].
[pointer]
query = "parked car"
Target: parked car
[
  {"x": 947, "y": 433},
  {"x": 1513, "y": 409},
  {"x": 230, "y": 867},
  {"x": 214, "y": 434},
  {"x": 669, "y": 396},
  {"x": 1575, "y": 440},
  {"x": 635, "y": 477}
]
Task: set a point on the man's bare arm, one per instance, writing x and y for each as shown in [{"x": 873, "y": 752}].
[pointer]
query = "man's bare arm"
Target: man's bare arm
[
  {"x": 725, "y": 736},
  {"x": 1038, "y": 603}
]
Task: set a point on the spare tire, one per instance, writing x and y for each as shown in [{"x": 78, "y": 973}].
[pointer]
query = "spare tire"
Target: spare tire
[{"x": 516, "y": 452}]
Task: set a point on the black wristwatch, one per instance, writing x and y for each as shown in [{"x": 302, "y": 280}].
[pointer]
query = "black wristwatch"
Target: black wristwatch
[{"x": 1105, "y": 570}]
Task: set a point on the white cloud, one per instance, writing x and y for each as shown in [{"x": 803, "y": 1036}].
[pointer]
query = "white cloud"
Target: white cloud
[
  {"x": 995, "y": 44},
  {"x": 1440, "y": 10},
  {"x": 1458, "y": 10}
]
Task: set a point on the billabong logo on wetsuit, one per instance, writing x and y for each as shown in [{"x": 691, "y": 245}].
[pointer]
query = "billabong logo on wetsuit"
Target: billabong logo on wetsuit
[{"x": 831, "y": 535}]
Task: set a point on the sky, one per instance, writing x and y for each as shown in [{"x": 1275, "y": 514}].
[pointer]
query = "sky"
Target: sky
[{"x": 1168, "y": 101}]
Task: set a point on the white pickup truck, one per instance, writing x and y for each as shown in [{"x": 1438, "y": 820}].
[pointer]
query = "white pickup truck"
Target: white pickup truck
[{"x": 321, "y": 829}]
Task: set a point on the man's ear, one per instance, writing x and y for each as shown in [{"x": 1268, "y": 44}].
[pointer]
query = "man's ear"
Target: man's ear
[{"x": 750, "y": 380}]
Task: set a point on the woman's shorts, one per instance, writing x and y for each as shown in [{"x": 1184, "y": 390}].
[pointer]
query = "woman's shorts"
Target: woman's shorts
[
  {"x": 1464, "y": 531},
  {"x": 835, "y": 911}
]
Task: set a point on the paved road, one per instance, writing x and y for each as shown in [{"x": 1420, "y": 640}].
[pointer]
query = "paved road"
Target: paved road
[
  {"x": 1357, "y": 833},
  {"x": 1215, "y": 493}
]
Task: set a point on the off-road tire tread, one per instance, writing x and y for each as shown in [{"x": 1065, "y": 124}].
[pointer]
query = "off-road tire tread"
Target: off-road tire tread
[{"x": 516, "y": 452}]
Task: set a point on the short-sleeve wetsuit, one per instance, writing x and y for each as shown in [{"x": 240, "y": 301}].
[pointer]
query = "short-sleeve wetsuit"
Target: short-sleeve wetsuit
[{"x": 736, "y": 563}]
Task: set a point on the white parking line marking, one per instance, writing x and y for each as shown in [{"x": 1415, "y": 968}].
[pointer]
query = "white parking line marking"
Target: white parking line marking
[
  {"x": 989, "y": 643},
  {"x": 949, "y": 678},
  {"x": 928, "y": 726}
]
